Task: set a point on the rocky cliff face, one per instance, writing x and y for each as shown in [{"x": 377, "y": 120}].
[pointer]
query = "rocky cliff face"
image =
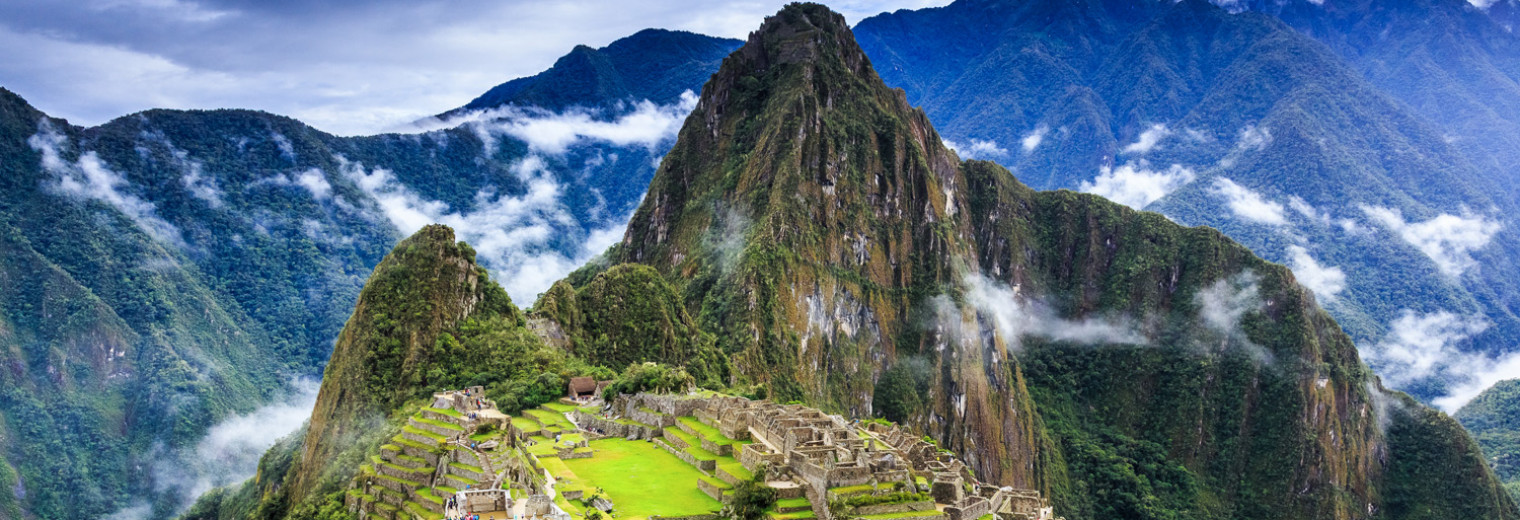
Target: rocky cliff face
[
  {"x": 1129, "y": 366},
  {"x": 806, "y": 211}
]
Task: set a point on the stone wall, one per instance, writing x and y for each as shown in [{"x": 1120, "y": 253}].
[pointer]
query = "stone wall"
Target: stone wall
[
  {"x": 710, "y": 489},
  {"x": 900, "y": 507},
  {"x": 971, "y": 508}
]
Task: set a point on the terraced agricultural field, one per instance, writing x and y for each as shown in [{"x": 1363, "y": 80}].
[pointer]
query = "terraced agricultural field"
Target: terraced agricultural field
[{"x": 642, "y": 480}]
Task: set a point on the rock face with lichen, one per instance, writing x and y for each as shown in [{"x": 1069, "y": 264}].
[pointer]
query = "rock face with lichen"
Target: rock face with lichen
[{"x": 1126, "y": 366}]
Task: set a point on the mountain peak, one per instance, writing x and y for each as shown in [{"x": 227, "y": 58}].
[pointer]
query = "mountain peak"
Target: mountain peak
[{"x": 804, "y": 33}]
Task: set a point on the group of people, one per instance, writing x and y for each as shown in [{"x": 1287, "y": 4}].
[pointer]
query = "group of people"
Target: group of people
[
  {"x": 474, "y": 400},
  {"x": 452, "y": 511}
]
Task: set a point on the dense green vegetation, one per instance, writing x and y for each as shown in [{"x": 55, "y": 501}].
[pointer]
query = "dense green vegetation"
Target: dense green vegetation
[
  {"x": 1375, "y": 118},
  {"x": 627, "y": 314},
  {"x": 1493, "y": 418}
]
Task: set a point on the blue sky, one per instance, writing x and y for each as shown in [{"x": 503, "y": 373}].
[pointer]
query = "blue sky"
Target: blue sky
[{"x": 344, "y": 67}]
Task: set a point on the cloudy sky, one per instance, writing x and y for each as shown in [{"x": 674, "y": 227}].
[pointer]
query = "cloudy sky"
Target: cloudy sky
[{"x": 344, "y": 67}]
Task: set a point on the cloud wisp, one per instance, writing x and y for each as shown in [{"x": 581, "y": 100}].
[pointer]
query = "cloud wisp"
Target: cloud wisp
[
  {"x": 980, "y": 149},
  {"x": 1224, "y": 304},
  {"x": 1326, "y": 281},
  {"x": 1136, "y": 185},
  {"x": 1033, "y": 139},
  {"x": 229, "y": 453},
  {"x": 1016, "y": 316},
  {"x": 89, "y": 178},
  {"x": 1248, "y": 204},
  {"x": 1448, "y": 240},
  {"x": 1149, "y": 139}
]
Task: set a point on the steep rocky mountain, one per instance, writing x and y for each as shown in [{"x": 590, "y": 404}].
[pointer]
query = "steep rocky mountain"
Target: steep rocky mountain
[
  {"x": 429, "y": 318},
  {"x": 1312, "y": 153},
  {"x": 1128, "y": 366}
]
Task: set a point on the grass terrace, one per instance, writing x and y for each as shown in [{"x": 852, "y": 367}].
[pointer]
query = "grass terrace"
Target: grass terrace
[
  {"x": 559, "y": 407},
  {"x": 444, "y": 411},
  {"x": 642, "y": 480},
  {"x": 548, "y": 418}
]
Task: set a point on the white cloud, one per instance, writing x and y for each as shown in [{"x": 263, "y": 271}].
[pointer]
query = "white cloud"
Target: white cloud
[
  {"x": 1480, "y": 373},
  {"x": 1149, "y": 139},
  {"x": 230, "y": 451},
  {"x": 1251, "y": 138},
  {"x": 1016, "y": 316},
  {"x": 1421, "y": 346},
  {"x": 89, "y": 178},
  {"x": 194, "y": 178},
  {"x": 646, "y": 124},
  {"x": 1448, "y": 240},
  {"x": 1223, "y": 304},
  {"x": 976, "y": 149},
  {"x": 1326, "y": 282},
  {"x": 1324, "y": 218},
  {"x": 1033, "y": 139},
  {"x": 1136, "y": 185},
  {"x": 511, "y": 234},
  {"x": 315, "y": 182},
  {"x": 1248, "y": 204}
]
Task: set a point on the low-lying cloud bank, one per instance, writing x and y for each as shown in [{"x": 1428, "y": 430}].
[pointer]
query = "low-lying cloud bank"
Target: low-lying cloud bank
[
  {"x": 641, "y": 123},
  {"x": 228, "y": 454},
  {"x": 1421, "y": 346}
]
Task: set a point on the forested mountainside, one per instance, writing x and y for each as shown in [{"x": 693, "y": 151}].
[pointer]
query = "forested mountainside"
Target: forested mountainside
[
  {"x": 171, "y": 268},
  {"x": 1130, "y": 367},
  {"x": 1493, "y": 418},
  {"x": 827, "y": 247},
  {"x": 1300, "y": 149}
]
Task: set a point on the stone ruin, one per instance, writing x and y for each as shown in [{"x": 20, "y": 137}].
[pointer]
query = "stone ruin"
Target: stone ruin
[{"x": 806, "y": 449}]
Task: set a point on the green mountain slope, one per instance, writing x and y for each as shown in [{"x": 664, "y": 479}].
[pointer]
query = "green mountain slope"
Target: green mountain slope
[
  {"x": 1494, "y": 420},
  {"x": 118, "y": 350},
  {"x": 429, "y": 318},
  {"x": 1239, "y": 122},
  {"x": 1130, "y": 367}
]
